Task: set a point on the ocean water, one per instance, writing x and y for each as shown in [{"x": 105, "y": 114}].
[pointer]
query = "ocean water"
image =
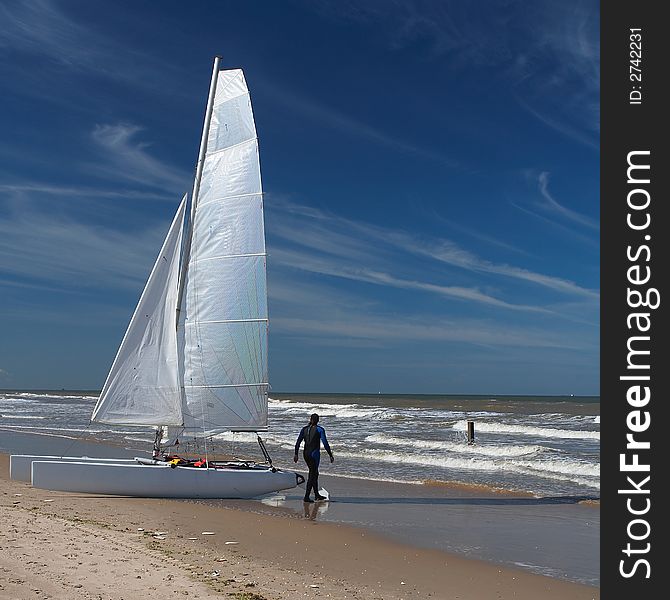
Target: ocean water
[{"x": 541, "y": 445}]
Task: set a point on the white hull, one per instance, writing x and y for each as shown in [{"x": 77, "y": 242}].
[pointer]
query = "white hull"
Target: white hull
[
  {"x": 20, "y": 464},
  {"x": 159, "y": 481}
]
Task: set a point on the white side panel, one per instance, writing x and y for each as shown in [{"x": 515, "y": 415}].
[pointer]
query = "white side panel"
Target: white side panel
[
  {"x": 158, "y": 481},
  {"x": 20, "y": 464},
  {"x": 143, "y": 385}
]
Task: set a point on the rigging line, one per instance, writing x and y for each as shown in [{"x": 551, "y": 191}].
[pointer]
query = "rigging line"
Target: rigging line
[{"x": 76, "y": 439}]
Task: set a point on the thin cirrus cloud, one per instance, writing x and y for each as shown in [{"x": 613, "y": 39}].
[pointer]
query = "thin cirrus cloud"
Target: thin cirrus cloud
[
  {"x": 330, "y": 316},
  {"x": 127, "y": 158},
  {"x": 549, "y": 210},
  {"x": 547, "y": 55},
  {"x": 366, "y": 327},
  {"x": 63, "y": 252},
  {"x": 349, "y": 125},
  {"x": 42, "y": 28},
  {"x": 341, "y": 237},
  {"x": 563, "y": 126},
  {"x": 333, "y": 268},
  {"x": 68, "y": 191},
  {"x": 553, "y": 205}
]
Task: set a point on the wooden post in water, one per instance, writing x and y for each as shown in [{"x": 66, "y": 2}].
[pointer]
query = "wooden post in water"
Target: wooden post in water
[{"x": 471, "y": 432}]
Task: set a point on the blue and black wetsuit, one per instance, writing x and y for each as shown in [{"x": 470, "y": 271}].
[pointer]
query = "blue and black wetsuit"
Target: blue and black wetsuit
[{"x": 312, "y": 435}]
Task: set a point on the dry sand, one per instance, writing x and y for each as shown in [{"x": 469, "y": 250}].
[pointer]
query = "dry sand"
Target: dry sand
[{"x": 76, "y": 546}]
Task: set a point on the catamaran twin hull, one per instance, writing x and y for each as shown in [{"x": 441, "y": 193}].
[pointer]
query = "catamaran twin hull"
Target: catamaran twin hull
[{"x": 161, "y": 480}]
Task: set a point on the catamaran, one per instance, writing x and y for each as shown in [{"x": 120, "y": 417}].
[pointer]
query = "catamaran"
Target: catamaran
[{"x": 193, "y": 362}]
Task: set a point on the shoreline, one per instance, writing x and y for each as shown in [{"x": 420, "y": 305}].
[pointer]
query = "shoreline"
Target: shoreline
[
  {"x": 555, "y": 536},
  {"x": 272, "y": 558}
]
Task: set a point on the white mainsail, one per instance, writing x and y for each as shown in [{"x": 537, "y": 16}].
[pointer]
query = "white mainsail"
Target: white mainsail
[
  {"x": 143, "y": 386},
  {"x": 224, "y": 314},
  {"x": 208, "y": 372}
]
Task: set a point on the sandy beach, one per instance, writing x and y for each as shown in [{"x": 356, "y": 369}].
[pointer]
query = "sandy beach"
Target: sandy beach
[{"x": 58, "y": 545}]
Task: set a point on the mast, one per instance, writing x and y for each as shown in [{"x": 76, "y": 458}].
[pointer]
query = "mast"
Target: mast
[{"x": 196, "y": 182}]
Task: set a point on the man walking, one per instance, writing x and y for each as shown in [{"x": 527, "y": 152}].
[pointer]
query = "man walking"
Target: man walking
[{"x": 312, "y": 434}]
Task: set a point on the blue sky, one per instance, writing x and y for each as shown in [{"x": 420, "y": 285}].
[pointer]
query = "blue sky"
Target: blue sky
[{"x": 431, "y": 172}]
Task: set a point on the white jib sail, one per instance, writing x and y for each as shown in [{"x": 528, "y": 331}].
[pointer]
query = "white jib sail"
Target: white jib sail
[
  {"x": 224, "y": 312},
  {"x": 143, "y": 386}
]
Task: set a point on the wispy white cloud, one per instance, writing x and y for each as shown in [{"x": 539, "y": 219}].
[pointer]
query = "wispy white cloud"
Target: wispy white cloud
[
  {"x": 60, "y": 251},
  {"x": 351, "y": 126},
  {"x": 44, "y": 28},
  {"x": 477, "y": 235},
  {"x": 127, "y": 159},
  {"x": 570, "y": 231},
  {"x": 451, "y": 253},
  {"x": 546, "y": 53},
  {"x": 471, "y": 331},
  {"x": 69, "y": 191},
  {"x": 564, "y": 127},
  {"x": 550, "y": 211},
  {"x": 323, "y": 314},
  {"x": 360, "y": 243},
  {"x": 554, "y": 206},
  {"x": 324, "y": 266}
]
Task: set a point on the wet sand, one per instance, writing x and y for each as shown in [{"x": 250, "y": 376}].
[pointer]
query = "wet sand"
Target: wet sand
[
  {"x": 555, "y": 536},
  {"x": 60, "y": 545}
]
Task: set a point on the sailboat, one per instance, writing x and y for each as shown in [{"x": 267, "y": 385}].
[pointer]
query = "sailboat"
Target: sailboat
[{"x": 193, "y": 362}]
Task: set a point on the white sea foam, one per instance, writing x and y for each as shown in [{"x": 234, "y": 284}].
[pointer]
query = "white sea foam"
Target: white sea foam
[
  {"x": 363, "y": 411},
  {"x": 41, "y": 396},
  {"x": 448, "y": 446},
  {"x": 518, "y": 429},
  {"x": 13, "y": 400},
  {"x": 343, "y": 411},
  {"x": 15, "y": 416},
  {"x": 566, "y": 469}
]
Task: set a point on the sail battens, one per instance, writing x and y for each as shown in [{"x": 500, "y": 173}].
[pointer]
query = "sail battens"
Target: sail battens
[
  {"x": 213, "y": 153},
  {"x": 225, "y": 256},
  {"x": 265, "y": 320},
  {"x": 229, "y": 385}
]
